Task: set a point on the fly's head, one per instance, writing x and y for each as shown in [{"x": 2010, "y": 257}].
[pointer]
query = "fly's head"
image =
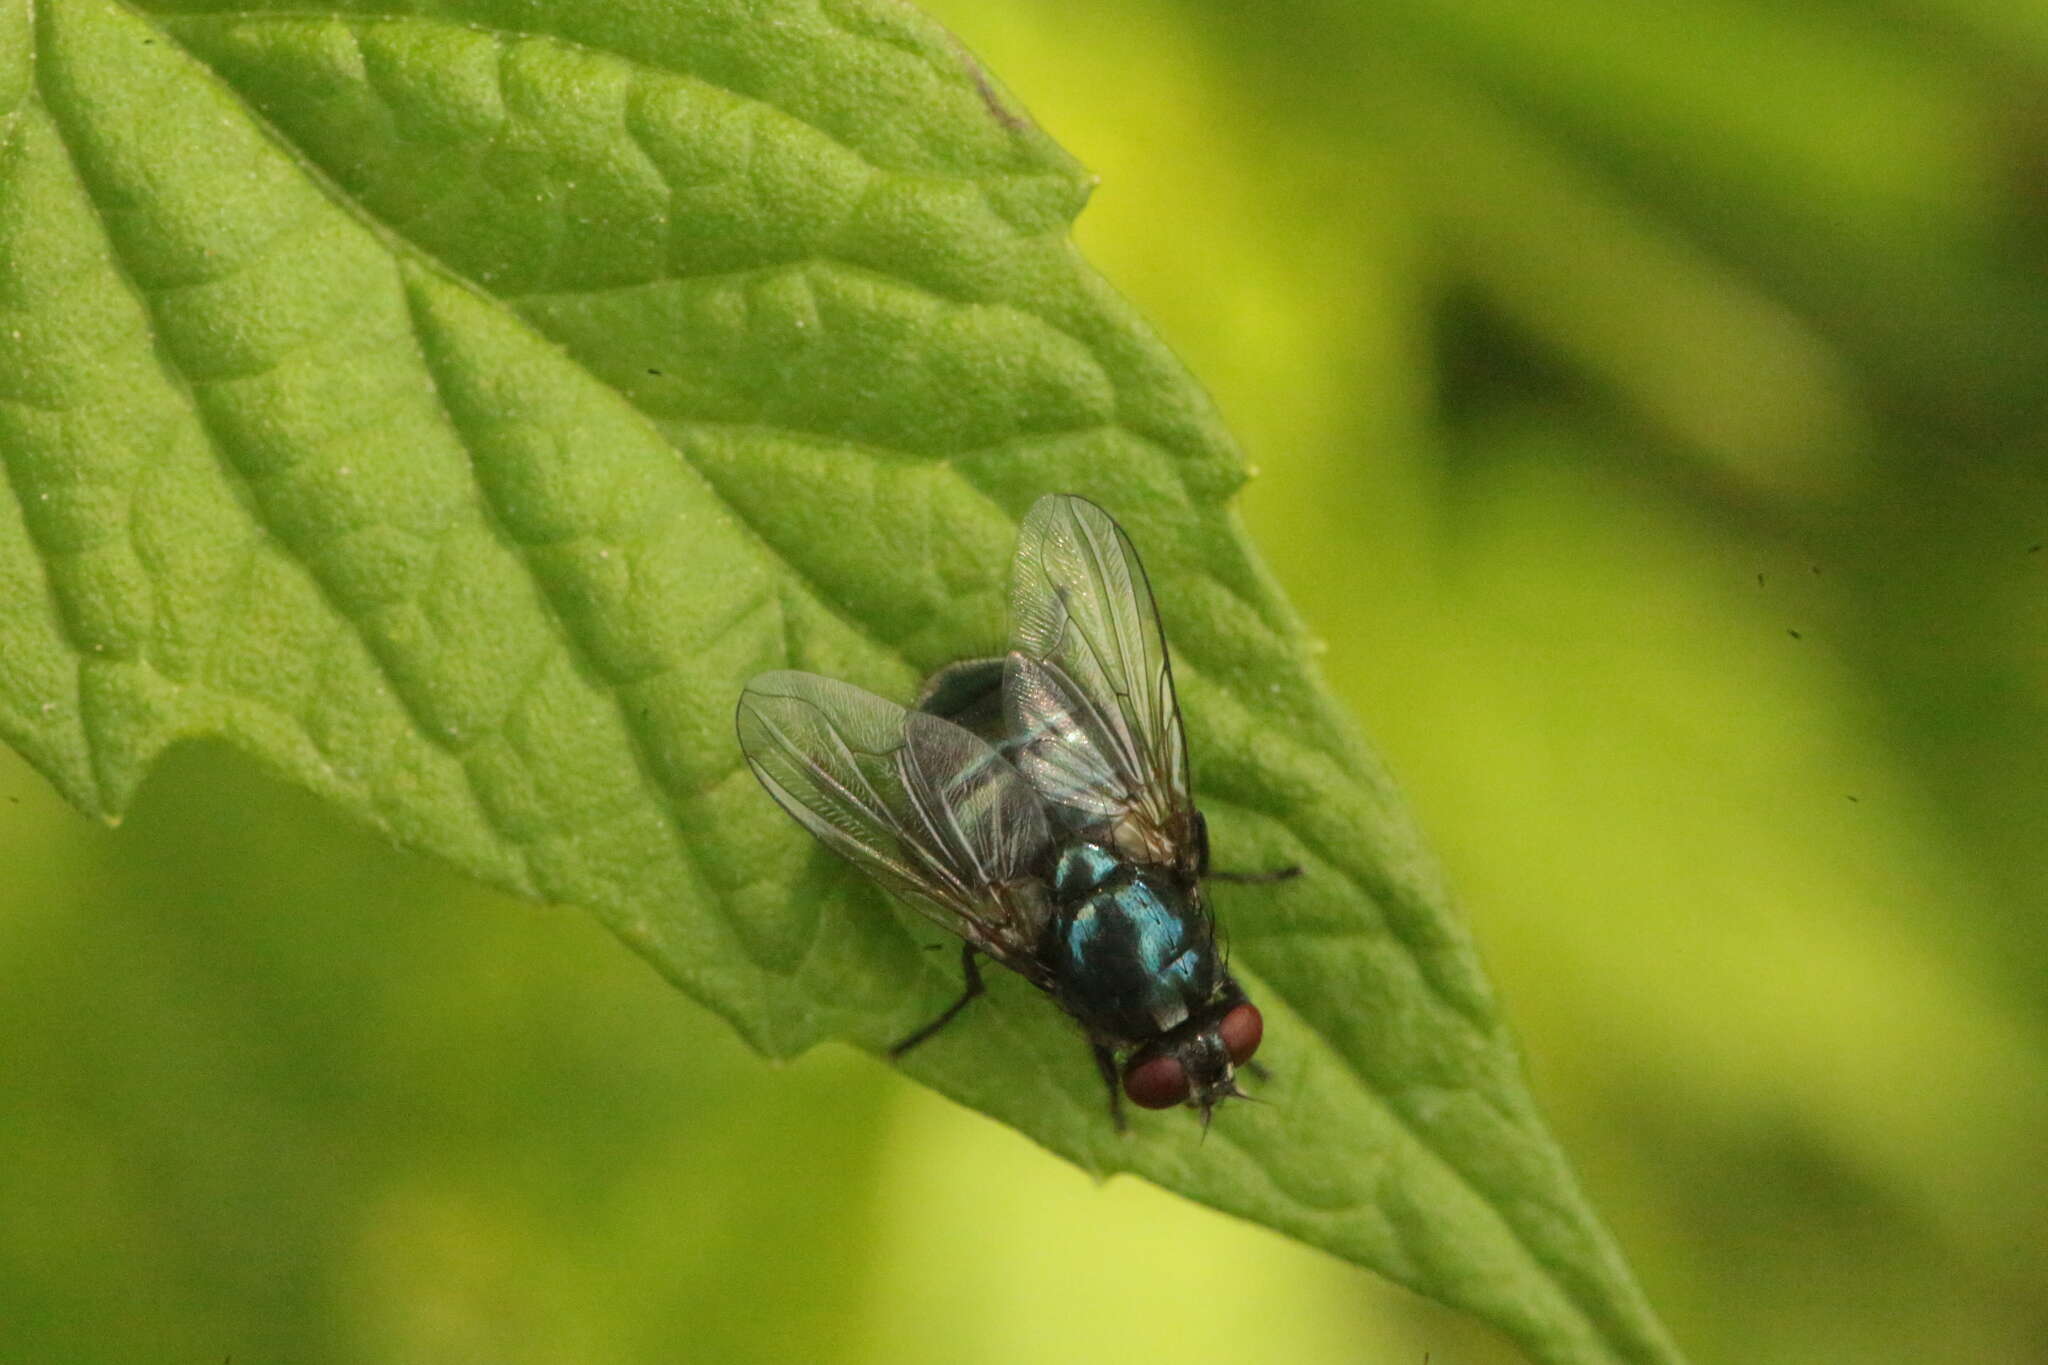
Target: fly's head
[{"x": 1196, "y": 1063}]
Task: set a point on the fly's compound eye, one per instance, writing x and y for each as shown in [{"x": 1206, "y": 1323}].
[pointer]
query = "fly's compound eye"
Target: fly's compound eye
[
  {"x": 1158, "y": 1082},
  {"x": 1242, "y": 1030}
]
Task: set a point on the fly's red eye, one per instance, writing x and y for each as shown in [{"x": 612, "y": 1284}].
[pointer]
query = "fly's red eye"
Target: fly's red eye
[
  {"x": 1242, "y": 1029},
  {"x": 1157, "y": 1083}
]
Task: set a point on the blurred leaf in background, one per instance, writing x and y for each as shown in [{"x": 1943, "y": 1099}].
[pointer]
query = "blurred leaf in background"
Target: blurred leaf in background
[{"x": 1648, "y": 403}]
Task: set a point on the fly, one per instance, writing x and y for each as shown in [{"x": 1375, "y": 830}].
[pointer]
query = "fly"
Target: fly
[{"x": 1038, "y": 806}]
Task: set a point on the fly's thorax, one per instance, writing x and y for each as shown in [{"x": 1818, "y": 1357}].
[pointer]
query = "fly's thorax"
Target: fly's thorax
[
  {"x": 1130, "y": 954},
  {"x": 1082, "y": 867}
]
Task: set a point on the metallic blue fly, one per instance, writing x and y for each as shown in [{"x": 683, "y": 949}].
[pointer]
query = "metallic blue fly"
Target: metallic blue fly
[{"x": 1038, "y": 807}]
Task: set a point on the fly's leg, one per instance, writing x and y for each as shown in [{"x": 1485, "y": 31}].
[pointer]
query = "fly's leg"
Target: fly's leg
[
  {"x": 1200, "y": 854},
  {"x": 1105, "y": 1062},
  {"x": 971, "y": 970},
  {"x": 1284, "y": 874}
]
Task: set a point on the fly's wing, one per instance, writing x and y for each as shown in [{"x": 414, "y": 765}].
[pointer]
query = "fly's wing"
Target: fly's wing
[
  {"x": 928, "y": 810},
  {"x": 1089, "y": 691}
]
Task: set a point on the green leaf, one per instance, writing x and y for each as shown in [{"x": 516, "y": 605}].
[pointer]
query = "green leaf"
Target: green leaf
[{"x": 453, "y": 409}]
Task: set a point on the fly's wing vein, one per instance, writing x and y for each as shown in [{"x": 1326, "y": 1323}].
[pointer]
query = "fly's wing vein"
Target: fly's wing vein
[
  {"x": 1089, "y": 687},
  {"x": 928, "y": 810}
]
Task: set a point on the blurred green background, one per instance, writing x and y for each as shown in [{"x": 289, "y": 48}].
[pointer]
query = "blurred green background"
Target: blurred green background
[{"x": 1649, "y": 405}]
